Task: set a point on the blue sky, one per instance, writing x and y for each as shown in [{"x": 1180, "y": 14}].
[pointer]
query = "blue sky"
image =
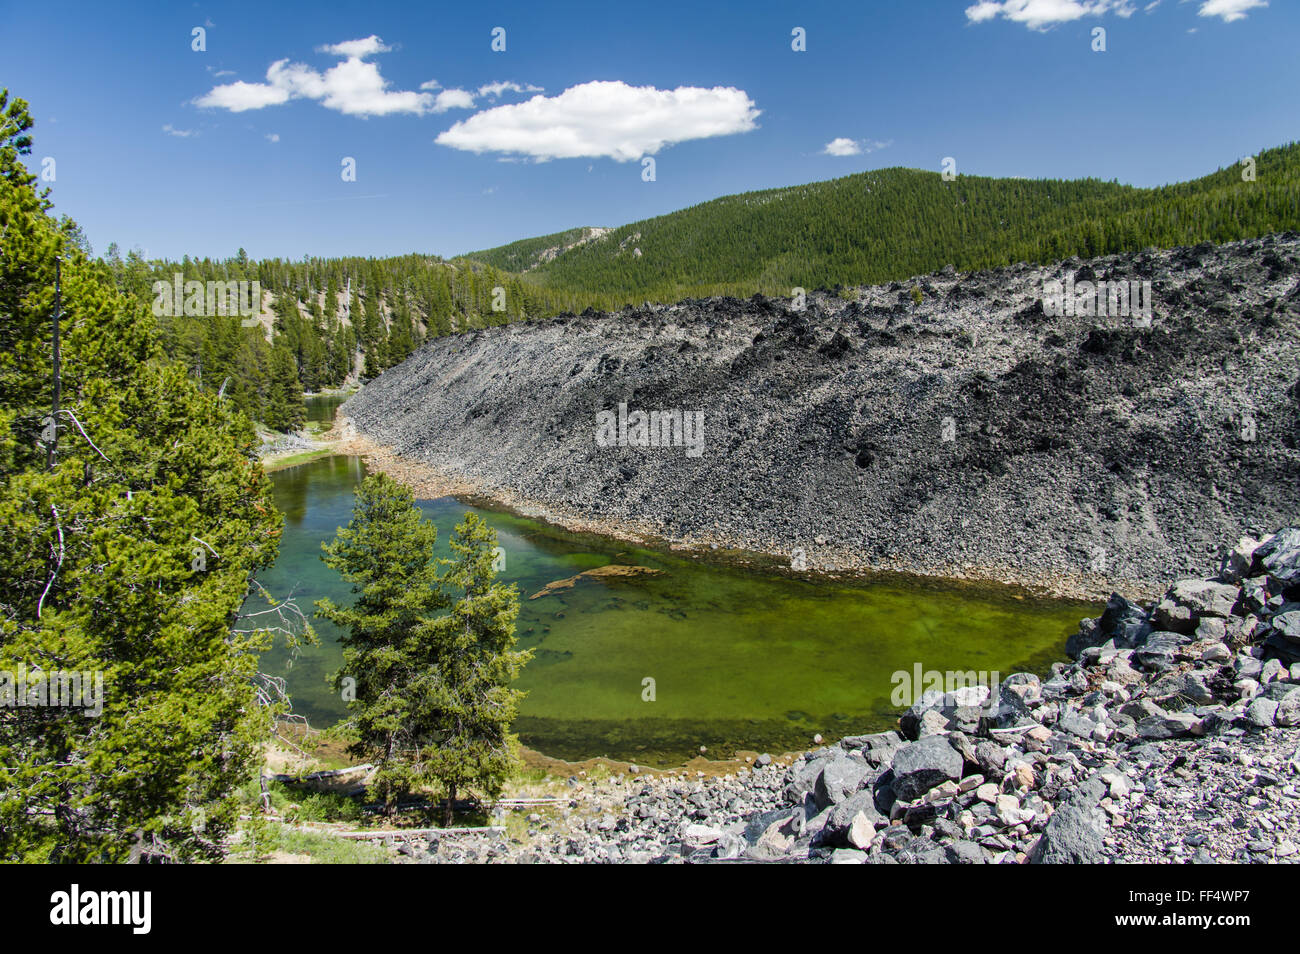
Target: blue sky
[{"x": 177, "y": 151}]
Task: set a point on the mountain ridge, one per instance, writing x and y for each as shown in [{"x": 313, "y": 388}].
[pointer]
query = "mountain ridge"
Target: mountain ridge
[{"x": 891, "y": 224}]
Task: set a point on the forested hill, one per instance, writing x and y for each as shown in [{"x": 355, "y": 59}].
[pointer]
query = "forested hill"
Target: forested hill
[
  {"x": 329, "y": 322},
  {"x": 891, "y": 224},
  {"x": 527, "y": 254}
]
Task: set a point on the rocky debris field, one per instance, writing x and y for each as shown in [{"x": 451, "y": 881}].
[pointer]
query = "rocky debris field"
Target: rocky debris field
[
  {"x": 1174, "y": 736},
  {"x": 967, "y": 435}
]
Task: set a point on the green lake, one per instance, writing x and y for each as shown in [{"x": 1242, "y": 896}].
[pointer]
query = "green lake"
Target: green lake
[
  {"x": 739, "y": 659},
  {"x": 321, "y": 407}
]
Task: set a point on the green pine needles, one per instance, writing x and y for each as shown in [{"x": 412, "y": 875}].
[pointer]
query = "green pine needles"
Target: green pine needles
[
  {"x": 429, "y": 648},
  {"x": 131, "y": 710}
]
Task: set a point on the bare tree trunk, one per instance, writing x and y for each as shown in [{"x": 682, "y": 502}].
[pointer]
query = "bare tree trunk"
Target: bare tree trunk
[{"x": 451, "y": 797}]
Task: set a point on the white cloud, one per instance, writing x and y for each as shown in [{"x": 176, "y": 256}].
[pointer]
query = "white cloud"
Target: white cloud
[
  {"x": 493, "y": 90},
  {"x": 843, "y": 146},
  {"x": 986, "y": 10},
  {"x": 453, "y": 99},
  {"x": 171, "y": 130},
  {"x": 1229, "y": 10},
  {"x": 354, "y": 87},
  {"x": 240, "y": 96},
  {"x": 604, "y": 118},
  {"x": 273, "y": 137},
  {"x": 446, "y": 99},
  {"x": 1045, "y": 14},
  {"x": 356, "y": 49}
]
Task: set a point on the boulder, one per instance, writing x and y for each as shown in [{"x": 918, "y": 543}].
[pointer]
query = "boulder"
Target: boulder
[
  {"x": 1158, "y": 652},
  {"x": 774, "y": 841},
  {"x": 992, "y": 758},
  {"x": 963, "y": 852},
  {"x": 1237, "y": 561},
  {"x": 1261, "y": 712},
  {"x": 1279, "y": 557},
  {"x": 1076, "y": 724},
  {"x": 848, "y": 856},
  {"x": 699, "y": 836},
  {"x": 936, "y": 711},
  {"x": 839, "y": 779},
  {"x": 1122, "y": 621},
  {"x": 1288, "y": 709},
  {"x": 1188, "y": 600},
  {"x": 1171, "y": 726},
  {"x": 1183, "y": 685},
  {"x": 861, "y": 832},
  {"x": 1287, "y": 625},
  {"x": 920, "y": 766},
  {"x": 1074, "y": 835}
]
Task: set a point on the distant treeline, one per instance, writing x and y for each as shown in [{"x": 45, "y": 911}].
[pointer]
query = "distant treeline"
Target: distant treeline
[{"x": 326, "y": 323}]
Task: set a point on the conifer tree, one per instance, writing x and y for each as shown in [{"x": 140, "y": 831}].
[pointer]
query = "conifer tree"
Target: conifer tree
[
  {"x": 477, "y": 663},
  {"x": 431, "y": 654},
  {"x": 285, "y": 408},
  {"x": 129, "y": 558}
]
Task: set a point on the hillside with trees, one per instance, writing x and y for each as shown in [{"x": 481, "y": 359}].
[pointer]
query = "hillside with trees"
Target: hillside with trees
[
  {"x": 330, "y": 322},
  {"x": 892, "y": 224}
]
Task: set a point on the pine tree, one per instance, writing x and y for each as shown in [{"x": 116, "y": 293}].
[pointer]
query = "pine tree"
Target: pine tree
[
  {"x": 431, "y": 655},
  {"x": 129, "y": 558},
  {"x": 285, "y": 408},
  {"x": 477, "y": 664}
]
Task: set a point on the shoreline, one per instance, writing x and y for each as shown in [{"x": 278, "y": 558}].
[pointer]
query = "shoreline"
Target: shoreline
[
  {"x": 1142, "y": 750},
  {"x": 430, "y": 482}
]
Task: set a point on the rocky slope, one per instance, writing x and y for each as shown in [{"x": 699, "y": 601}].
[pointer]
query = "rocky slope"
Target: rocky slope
[
  {"x": 1173, "y": 737},
  {"x": 969, "y": 435}
]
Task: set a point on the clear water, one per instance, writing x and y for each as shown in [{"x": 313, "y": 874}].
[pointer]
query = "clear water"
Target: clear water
[
  {"x": 740, "y": 660},
  {"x": 322, "y": 407}
]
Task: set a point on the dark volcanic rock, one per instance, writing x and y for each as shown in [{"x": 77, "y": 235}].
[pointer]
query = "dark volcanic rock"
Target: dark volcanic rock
[
  {"x": 970, "y": 435},
  {"x": 1073, "y": 836},
  {"x": 920, "y": 766}
]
